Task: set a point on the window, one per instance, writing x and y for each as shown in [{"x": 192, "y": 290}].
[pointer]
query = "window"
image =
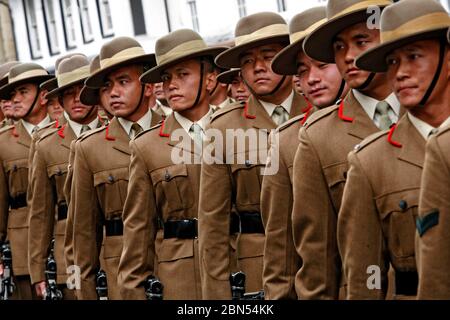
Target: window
[
  {"x": 281, "y": 5},
  {"x": 51, "y": 27},
  {"x": 193, "y": 6},
  {"x": 68, "y": 23},
  {"x": 242, "y": 8},
  {"x": 32, "y": 29},
  {"x": 85, "y": 19},
  {"x": 137, "y": 12},
  {"x": 104, "y": 13}
]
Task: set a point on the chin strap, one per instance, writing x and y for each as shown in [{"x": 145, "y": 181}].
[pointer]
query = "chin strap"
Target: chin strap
[
  {"x": 33, "y": 104},
  {"x": 341, "y": 90},
  {"x": 200, "y": 86},
  {"x": 367, "y": 82},
  {"x": 437, "y": 74},
  {"x": 266, "y": 94}
]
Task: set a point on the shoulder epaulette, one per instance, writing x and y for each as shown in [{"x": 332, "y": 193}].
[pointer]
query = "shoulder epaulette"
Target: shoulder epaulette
[
  {"x": 367, "y": 141},
  {"x": 443, "y": 130},
  {"x": 316, "y": 116},
  {"x": 149, "y": 130},
  {"x": 90, "y": 133},
  {"x": 50, "y": 125},
  {"x": 290, "y": 122},
  {"x": 7, "y": 128},
  {"x": 230, "y": 107},
  {"x": 48, "y": 133}
]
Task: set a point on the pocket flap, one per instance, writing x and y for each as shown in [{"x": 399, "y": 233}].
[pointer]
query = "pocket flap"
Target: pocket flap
[
  {"x": 57, "y": 169},
  {"x": 336, "y": 174},
  {"x": 175, "y": 249},
  {"x": 400, "y": 201},
  {"x": 168, "y": 173},
  {"x": 112, "y": 247},
  {"x": 14, "y": 165},
  {"x": 110, "y": 176}
]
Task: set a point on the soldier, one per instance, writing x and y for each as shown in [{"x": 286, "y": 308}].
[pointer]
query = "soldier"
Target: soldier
[
  {"x": 322, "y": 85},
  {"x": 29, "y": 108},
  {"x": 236, "y": 184},
  {"x": 6, "y": 105},
  {"x": 54, "y": 109},
  {"x": 49, "y": 170},
  {"x": 320, "y": 164},
  {"x": 238, "y": 89},
  {"x": 376, "y": 224},
  {"x": 163, "y": 191},
  {"x": 101, "y": 161},
  {"x": 162, "y": 107},
  {"x": 219, "y": 94}
]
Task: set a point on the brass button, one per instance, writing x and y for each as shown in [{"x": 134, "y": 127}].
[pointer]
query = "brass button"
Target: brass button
[
  {"x": 167, "y": 176},
  {"x": 14, "y": 167},
  {"x": 403, "y": 205},
  {"x": 111, "y": 179}
]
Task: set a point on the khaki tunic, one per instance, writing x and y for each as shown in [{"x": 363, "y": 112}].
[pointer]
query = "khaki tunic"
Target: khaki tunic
[
  {"x": 320, "y": 171},
  {"x": 161, "y": 190},
  {"x": 433, "y": 238},
  {"x": 281, "y": 262},
  {"x": 376, "y": 224},
  {"x": 99, "y": 190},
  {"x": 236, "y": 187}
]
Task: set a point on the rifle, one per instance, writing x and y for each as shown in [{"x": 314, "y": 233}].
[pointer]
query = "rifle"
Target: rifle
[
  {"x": 102, "y": 285},
  {"x": 7, "y": 285},
  {"x": 237, "y": 282},
  {"x": 153, "y": 288},
  {"x": 52, "y": 292}
]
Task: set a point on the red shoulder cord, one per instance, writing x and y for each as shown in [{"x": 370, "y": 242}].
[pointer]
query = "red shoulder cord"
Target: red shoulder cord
[
  {"x": 341, "y": 113},
  {"x": 391, "y": 133}
]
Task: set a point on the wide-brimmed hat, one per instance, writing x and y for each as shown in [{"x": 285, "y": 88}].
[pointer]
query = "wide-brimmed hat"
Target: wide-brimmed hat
[
  {"x": 71, "y": 71},
  {"x": 21, "y": 74},
  {"x": 405, "y": 22},
  {"x": 90, "y": 96},
  {"x": 301, "y": 25},
  {"x": 117, "y": 53},
  {"x": 177, "y": 46},
  {"x": 253, "y": 31},
  {"x": 341, "y": 14},
  {"x": 227, "y": 77},
  {"x": 4, "y": 71}
]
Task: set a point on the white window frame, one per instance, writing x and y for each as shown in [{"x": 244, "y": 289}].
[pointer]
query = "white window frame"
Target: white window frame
[
  {"x": 105, "y": 18},
  {"x": 242, "y": 6},
  {"x": 32, "y": 29},
  {"x": 194, "y": 14},
  {"x": 68, "y": 18},
  {"x": 51, "y": 26},
  {"x": 85, "y": 20}
]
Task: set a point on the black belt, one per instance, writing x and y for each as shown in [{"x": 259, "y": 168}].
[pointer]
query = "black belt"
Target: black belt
[
  {"x": 114, "y": 227},
  {"x": 235, "y": 224},
  {"x": 251, "y": 222},
  {"x": 406, "y": 283},
  {"x": 181, "y": 229},
  {"x": 20, "y": 201},
  {"x": 62, "y": 211}
]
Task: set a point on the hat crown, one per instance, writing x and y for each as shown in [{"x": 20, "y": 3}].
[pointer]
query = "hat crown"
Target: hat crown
[
  {"x": 176, "y": 38},
  {"x": 60, "y": 59},
  {"x": 26, "y": 67},
  {"x": 6, "y": 67},
  {"x": 306, "y": 19},
  {"x": 254, "y": 22},
  {"x": 118, "y": 45},
  {"x": 337, "y": 7},
  {"x": 95, "y": 64},
  {"x": 73, "y": 63}
]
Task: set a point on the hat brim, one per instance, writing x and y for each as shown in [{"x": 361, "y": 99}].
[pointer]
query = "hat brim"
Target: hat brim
[
  {"x": 90, "y": 96},
  {"x": 285, "y": 62},
  {"x": 97, "y": 80},
  {"x": 319, "y": 44},
  {"x": 231, "y": 57},
  {"x": 227, "y": 77},
  {"x": 154, "y": 74},
  {"x": 56, "y": 92},
  {"x": 5, "y": 91},
  {"x": 374, "y": 60},
  {"x": 49, "y": 85}
]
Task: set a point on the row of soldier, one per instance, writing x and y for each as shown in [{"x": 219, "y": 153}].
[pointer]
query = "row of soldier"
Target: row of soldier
[{"x": 357, "y": 208}]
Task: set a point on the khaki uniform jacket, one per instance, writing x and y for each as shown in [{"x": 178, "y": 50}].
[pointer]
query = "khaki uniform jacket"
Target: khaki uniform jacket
[
  {"x": 161, "y": 190},
  {"x": 433, "y": 236},
  {"x": 99, "y": 190},
  {"x": 320, "y": 172},
  {"x": 281, "y": 262},
  {"x": 5, "y": 123},
  {"x": 376, "y": 224},
  {"x": 48, "y": 176},
  {"x": 14, "y": 148},
  {"x": 234, "y": 186}
]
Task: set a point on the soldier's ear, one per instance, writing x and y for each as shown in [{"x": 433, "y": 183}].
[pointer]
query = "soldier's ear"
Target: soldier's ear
[
  {"x": 43, "y": 100},
  {"x": 210, "y": 81},
  {"x": 148, "y": 90}
]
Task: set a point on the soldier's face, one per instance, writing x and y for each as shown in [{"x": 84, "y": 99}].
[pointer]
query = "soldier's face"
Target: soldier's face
[
  {"x": 239, "y": 90},
  {"x": 54, "y": 109},
  {"x": 411, "y": 69},
  {"x": 105, "y": 102},
  {"x": 320, "y": 82},
  {"x": 76, "y": 110},
  {"x": 256, "y": 69},
  {"x": 348, "y": 45},
  {"x": 7, "y": 108},
  {"x": 124, "y": 90},
  {"x": 158, "y": 90},
  {"x": 22, "y": 98},
  {"x": 181, "y": 83}
]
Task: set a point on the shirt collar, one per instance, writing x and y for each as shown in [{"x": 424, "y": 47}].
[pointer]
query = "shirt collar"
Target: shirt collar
[
  {"x": 369, "y": 104},
  {"x": 76, "y": 127},
  {"x": 186, "y": 124},
  {"x": 424, "y": 128},
  {"x": 270, "y": 107},
  {"x": 29, "y": 127},
  {"x": 445, "y": 123},
  {"x": 144, "y": 122}
]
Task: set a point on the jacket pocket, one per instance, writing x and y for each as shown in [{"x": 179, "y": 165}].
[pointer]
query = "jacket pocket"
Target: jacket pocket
[
  {"x": 398, "y": 212},
  {"x": 112, "y": 247},
  {"x": 175, "y": 249},
  {"x": 336, "y": 176},
  {"x": 58, "y": 174},
  {"x": 17, "y": 173},
  {"x": 111, "y": 188},
  {"x": 172, "y": 188}
]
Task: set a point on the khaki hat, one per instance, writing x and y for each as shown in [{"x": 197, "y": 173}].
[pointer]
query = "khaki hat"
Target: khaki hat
[
  {"x": 90, "y": 96},
  {"x": 52, "y": 84},
  {"x": 341, "y": 14},
  {"x": 117, "y": 53},
  {"x": 21, "y": 74},
  {"x": 177, "y": 46},
  {"x": 227, "y": 77},
  {"x": 405, "y": 22},
  {"x": 71, "y": 71},
  {"x": 285, "y": 62},
  {"x": 253, "y": 31},
  {"x": 4, "y": 71}
]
